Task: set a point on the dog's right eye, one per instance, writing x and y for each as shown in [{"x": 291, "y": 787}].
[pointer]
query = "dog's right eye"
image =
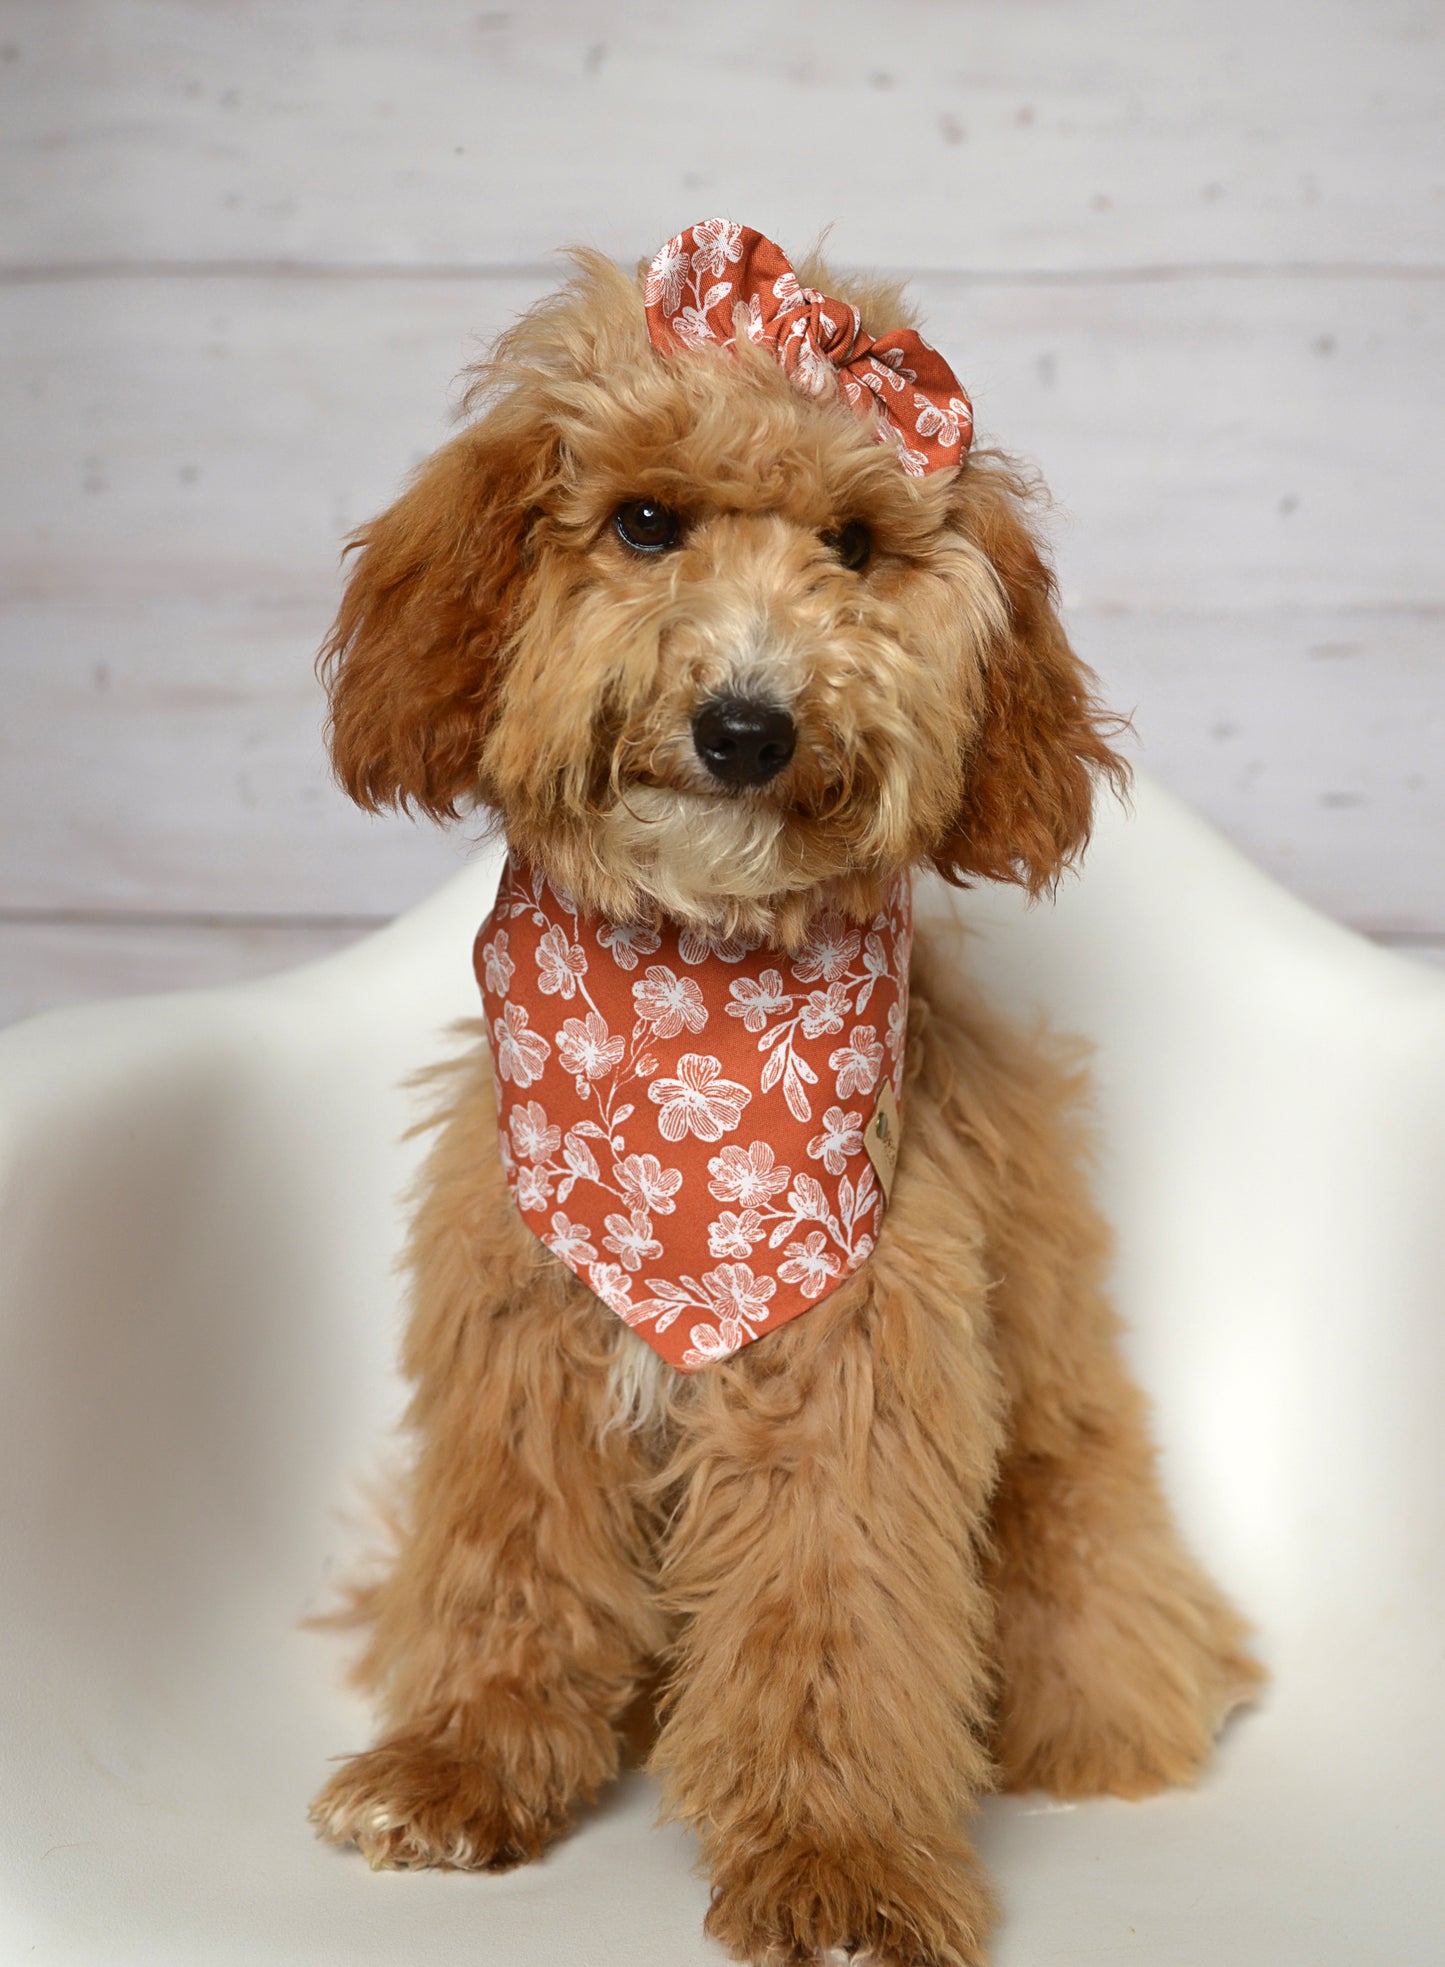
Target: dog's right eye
[
  {"x": 646, "y": 526},
  {"x": 852, "y": 543}
]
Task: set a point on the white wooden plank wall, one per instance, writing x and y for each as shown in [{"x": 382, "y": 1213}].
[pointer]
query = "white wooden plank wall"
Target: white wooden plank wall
[{"x": 1190, "y": 258}]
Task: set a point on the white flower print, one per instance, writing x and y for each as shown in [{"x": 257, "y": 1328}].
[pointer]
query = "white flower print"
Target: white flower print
[
  {"x": 827, "y": 952},
  {"x": 840, "y": 1140},
  {"x": 885, "y": 371},
  {"x": 813, "y": 373},
  {"x": 569, "y": 1241},
  {"x": 613, "y": 1285},
  {"x": 669, "y": 1002},
  {"x": 532, "y": 1138},
  {"x": 942, "y": 423},
  {"x": 730, "y": 1240},
  {"x": 627, "y": 941},
  {"x": 691, "y": 325},
  {"x": 581, "y": 1161},
  {"x": 710, "y": 1345},
  {"x": 809, "y": 1265},
  {"x": 534, "y": 1188},
  {"x": 718, "y": 241},
  {"x": 809, "y": 1200},
  {"x": 587, "y": 1048},
  {"x": 897, "y": 1030},
  {"x": 757, "y": 1000},
  {"x": 666, "y": 275},
  {"x": 737, "y": 1293},
  {"x": 646, "y": 1184},
  {"x": 496, "y": 964},
  {"x": 631, "y": 1239},
  {"x": 825, "y": 1010},
  {"x": 746, "y": 1175},
  {"x": 857, "y": 1063},
  {"x": 875, "y": 961},
  {"x": 733, "y": 1235},
  {"x": 694, "y": 947},
  {"x": 698, "y": 1101},
  {"x": 672, "y": 1298},
  {"x": 788, "y": 293},
  {"x": 520, "y": 1053},
  {"x": 559, "y": 963}
]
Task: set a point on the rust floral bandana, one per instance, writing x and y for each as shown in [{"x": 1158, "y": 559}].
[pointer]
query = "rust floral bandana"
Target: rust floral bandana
[
  {"x": 718, "y": 279},
  {"x": 682, "y": 1122}
]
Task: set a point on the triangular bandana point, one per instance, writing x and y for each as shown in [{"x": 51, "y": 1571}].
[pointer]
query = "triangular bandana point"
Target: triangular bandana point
[{"x": 681, "y": 1121}]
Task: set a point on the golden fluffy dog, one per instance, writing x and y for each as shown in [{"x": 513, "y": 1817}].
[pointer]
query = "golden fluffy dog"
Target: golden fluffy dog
[{"x": 912, "y": 1545}]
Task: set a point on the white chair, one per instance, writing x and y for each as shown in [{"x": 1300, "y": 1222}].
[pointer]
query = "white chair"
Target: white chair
[{"x": 198, "y": 1214}]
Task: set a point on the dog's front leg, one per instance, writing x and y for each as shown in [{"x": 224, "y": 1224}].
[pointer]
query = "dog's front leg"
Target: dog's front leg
[
  {"x": 520, "y": 1613},
  {"x": 824, "y": 1728}
]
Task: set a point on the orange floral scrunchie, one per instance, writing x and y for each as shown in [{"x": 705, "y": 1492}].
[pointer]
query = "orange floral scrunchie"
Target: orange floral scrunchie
[{"x": 699, "y": 286}]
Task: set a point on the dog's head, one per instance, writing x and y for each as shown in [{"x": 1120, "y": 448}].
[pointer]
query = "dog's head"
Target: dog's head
[{"x": 702, "y": 642}]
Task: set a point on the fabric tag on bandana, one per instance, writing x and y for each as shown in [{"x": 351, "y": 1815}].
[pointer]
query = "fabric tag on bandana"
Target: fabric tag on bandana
[
  {"x": 682, "y": 1121},
  {"x": 880, "y": 1137}
]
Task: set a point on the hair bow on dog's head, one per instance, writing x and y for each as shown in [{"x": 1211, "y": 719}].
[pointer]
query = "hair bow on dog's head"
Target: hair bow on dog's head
[{"x": 700, "y": 280}]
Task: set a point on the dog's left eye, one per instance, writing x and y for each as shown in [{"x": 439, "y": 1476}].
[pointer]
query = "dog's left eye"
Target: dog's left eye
[
  {"x": 852, "y": 543},
  {"x": 646, "y": 526}
]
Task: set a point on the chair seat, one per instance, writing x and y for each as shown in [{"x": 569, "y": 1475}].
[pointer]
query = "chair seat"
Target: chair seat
[{"x": 199, "y": 1213}]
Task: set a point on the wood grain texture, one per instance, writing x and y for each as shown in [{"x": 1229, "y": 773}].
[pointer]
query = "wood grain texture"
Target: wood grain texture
[
  {"x": 1042, "y": 134},
  {"x": 1208, "y": 443},
  {"x": 190, "y": 773},
  {"x": 1311, "y": 737},
  {"x": 1188, "y": 258},
  {"x": 168, "y": 755},
  {"x": 1241, "y": 574}
]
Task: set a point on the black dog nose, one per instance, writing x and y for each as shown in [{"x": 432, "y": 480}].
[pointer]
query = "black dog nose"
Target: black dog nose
[{"x": 741, "y": 741}]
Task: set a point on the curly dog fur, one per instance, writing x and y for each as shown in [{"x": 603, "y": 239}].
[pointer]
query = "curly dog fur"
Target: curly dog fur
[{"x": 911, "y": 1546}]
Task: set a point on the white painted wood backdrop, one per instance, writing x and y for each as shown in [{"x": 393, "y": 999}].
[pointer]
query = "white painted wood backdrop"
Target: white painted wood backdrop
[{"x": 1189, "y": 257}]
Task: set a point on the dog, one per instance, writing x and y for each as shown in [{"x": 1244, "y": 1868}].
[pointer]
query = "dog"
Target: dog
[{"x": 716, "y": 609}]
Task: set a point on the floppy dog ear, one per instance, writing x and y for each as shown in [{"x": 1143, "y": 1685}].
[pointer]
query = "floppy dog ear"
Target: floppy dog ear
[
  {"x": 1042, "y": 738},
  {"x": 410, "y": 663}
]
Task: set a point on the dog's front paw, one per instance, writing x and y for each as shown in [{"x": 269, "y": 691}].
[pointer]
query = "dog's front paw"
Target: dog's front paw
[
  {"x": 799, "y": 1905},
  {"x": 413, "y": 1801}
]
